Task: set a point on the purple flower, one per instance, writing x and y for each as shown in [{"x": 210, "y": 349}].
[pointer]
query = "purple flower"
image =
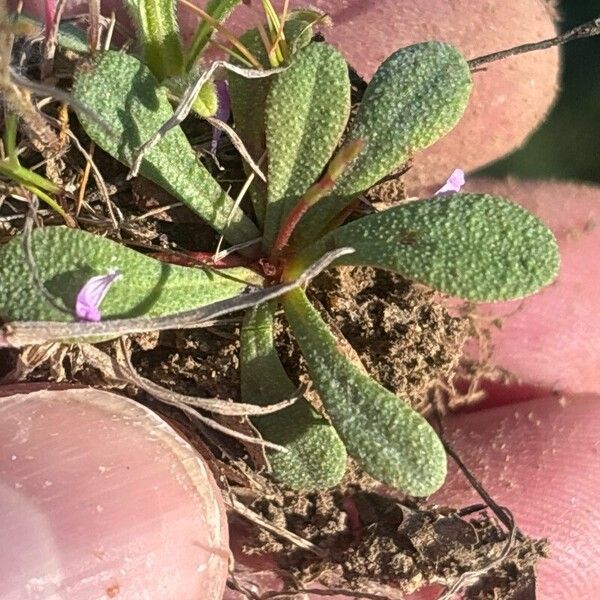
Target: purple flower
[
  {"x": 454, "y": 182},
  {"x": 223, "y": 112},
  {"x": 89, "y": 298}
]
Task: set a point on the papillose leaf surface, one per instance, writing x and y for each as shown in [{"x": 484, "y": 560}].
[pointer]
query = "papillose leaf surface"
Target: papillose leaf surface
[
  {"x": 416, "y": 97},
  {"x": 391, "y": 441},
  {"x": 248, "y": 99},
  {"x": 306, "y": 113},
  {"x": 126, "y": 96},
  {"x": 206, "y": 102},
  {"x": 476, "y": 246},
  {"x": 66, "y": 259},
  {"x": 316, "y": 457}
]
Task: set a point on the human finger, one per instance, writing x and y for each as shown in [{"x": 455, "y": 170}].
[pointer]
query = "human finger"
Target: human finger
[
  {"x": 100, "y": 498},
  {"x": 541, "y": 459},
  {"x": 509, "y": 98},
  {"x": 550, "y": 342}
]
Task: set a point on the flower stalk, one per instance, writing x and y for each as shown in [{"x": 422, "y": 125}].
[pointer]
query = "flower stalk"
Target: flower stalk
[{"x": 318, "y": 190}]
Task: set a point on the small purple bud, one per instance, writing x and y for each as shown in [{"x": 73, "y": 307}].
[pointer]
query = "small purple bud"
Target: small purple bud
[
  {"x": 454, "y": 182},
  {"x": 223, "y": 112},
  {"x": 89, "y": 298}
]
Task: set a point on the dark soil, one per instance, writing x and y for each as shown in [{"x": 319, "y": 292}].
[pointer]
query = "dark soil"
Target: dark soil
[
  {"x": 381, "y": 314},
  {"x": 378, "y": 543}
]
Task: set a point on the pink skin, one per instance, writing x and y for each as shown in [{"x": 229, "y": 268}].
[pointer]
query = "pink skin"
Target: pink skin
[
  {"x": 542, "y": 460},
  {"x": 49, "y": 12},
  {"x": 100, "y": 499},
  {"x": 514, "y": 94},
  {"x": 550, "y": 479},
  {"x": 558, "y": 330}
]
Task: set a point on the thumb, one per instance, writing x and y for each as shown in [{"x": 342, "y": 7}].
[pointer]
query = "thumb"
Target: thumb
[{"x": 100, "y": 498}]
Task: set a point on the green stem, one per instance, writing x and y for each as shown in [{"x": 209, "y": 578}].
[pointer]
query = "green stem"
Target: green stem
[
  {"x": 27, "y": 177},
  {"x": 10, "y": 138},
  {"x": 272, "y": 17},
  {"x": 52, "y": 203},
  {"x": 219, "y": 10},
  {"x": 31, "y": 181},
  {"x": 157, "y": 26},
  {"x": 237, "y": 55},
  {"x": 228, "y": 35},
  {"x": 274, "y": 49}
]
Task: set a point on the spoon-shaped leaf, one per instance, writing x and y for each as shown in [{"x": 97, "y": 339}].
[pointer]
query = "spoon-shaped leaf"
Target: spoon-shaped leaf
[
  {"x": 316, "y": 457},
  {"x": 67, "y": 258},
  {"x": 126, "y": 96},
  {"x": 306, "y": 113},
  {"x": 248, "y": 98},
  {"x": 416, "y": 97},
  {"x": 392, "y": 442},
  {"x": 478, "y": 247}
]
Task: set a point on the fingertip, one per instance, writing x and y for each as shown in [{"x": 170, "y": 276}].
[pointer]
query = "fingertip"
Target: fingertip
[
  {"x": 541, "y": 459},
  {"x": 551, "y": 340},
  {"x": 510, "y": 97},
  {"x": 101, "y": 498}
]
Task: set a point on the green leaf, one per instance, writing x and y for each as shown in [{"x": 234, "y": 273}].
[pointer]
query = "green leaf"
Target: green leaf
[
  {"x": 70, "y": 36},
  {"x": 316, "y": 457},
  {"x": 476, "y": 246},
  {"x": 206, "y": 102},
  {"x": 218, "y": 10},
  {"x": 158, "y": 30},
  {"x": 416, "y": 97},
  {"x": 126, "y": 96},
  {"x": 306, "y": 113},
  {"x": 67, "y": 258},
  {"x": 248, "y": 99},
  {"x": 392, "y": 442}
]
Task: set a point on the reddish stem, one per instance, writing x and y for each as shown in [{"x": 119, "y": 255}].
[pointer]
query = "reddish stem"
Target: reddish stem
[
  {"x": 204, "y": 258},
  {"x": 354, "y": 521},
  {"x": 315, "y": 192},
  {"x": 49, "y": 15},
  {"x": 285, "y": 233}
]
